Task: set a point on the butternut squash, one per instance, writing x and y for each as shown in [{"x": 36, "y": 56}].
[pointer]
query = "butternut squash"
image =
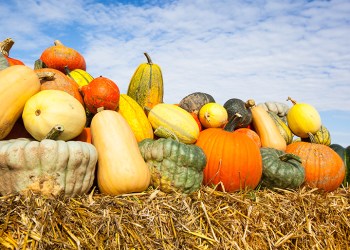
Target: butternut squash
[
  {"x": 121, "y": 168},
  {"x": 17, "y": 84},
  {"x": 267, "y": 129}
]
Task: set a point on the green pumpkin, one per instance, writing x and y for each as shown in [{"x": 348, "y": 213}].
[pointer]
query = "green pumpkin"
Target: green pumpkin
[
  {"x": 281, "y": 170},
  {"x": 344, "y": 153},
  {"x": 175, "y": 166},
  {"x": 239, "y": 113}
]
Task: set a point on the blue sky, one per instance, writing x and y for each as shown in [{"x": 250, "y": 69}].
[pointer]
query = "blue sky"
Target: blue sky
[{"x": 264, "y": 50}]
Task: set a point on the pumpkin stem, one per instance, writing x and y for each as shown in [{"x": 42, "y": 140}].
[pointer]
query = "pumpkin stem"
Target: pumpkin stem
[
  {"x": 231, "y": 124},
  {"x": 290, "y": 99},
  {"x": 312, "y": 138},
  {"x": 165, "y": 133},
  {"x": 100, "y": 109},
  {"x": 149, "y": 60},
  {"x": 250, "y": 103},
  {"x": 57, "y": 42},
  {"x": 6, "y": 45},
  {"x": 286, "y": 157},
  {"x": 54, "y": 132},
  {"x": 46, "y": 75},
  {"x": 38, "y": 64}
]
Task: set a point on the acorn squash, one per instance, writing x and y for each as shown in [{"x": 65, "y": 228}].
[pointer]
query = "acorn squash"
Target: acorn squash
[{"x": 239, "y": 113}]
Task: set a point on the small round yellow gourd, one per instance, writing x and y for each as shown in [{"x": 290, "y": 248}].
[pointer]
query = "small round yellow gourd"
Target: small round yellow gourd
[
  {"x": 303, "y": 118},
  {"x": 213, "y": 115},
  {"x": 49, "y": 108}
]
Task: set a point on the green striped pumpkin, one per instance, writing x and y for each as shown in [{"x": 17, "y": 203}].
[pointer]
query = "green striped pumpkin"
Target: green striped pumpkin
[
  {"x": 80, "y": 76},
  {"x": 169, "y": 120},
  {"x": 146, "y": 85}
]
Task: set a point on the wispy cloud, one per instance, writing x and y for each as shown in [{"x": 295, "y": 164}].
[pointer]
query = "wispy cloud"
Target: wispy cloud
[{"x": 266, "y": 50}]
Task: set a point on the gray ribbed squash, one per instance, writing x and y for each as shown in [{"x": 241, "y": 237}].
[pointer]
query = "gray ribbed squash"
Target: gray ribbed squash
[
  {"x": 175, "y": 166},
  {"x": 195, "y": 101},
  {"x": 49, "y": 167},
  {"x": 281, "y": 170}
]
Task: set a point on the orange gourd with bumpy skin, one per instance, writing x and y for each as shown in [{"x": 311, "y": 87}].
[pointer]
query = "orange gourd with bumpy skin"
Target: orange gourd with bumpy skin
[
  {"x": 5, "y": 47},
  {"x": 324, "y": 168},
  {"x": 101, "y": 92},
  {"x": 60, "y": 56}
]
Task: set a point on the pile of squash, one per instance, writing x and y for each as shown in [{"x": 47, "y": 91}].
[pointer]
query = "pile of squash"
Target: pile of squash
[{"x": 61, "y": 130}]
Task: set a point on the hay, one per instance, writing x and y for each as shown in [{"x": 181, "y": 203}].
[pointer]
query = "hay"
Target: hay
[{"x": 208, "y": 219}]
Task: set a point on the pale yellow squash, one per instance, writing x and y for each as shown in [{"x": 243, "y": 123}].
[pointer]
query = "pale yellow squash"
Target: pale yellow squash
[
  {"x": 17, "y": 84},
  {"x": 169, "y": 120},
  {"x": 121, "y": 168},
  {"x": 136, "y": 117},
  {"x": 49, "y": 108}
]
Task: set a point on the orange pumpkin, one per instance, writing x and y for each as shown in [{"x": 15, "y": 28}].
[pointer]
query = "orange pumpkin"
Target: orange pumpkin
[
  {"x": 54, "y": 79},
  {"x": 85, "y": 136},
  {"x": 324, "y": 168},
  {"x": 59, "y": 56},
  {"x": 252, "y": 135},
  {"x": 101, "y": 92},
  {"x": 232, "y": 159},
  {"x": 5, "y": 47}
]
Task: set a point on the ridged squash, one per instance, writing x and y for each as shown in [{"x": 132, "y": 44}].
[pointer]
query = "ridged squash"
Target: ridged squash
[
  {"x": 81, "y": 77},
  {"x": 282, "y": 127},
  {"x": 121, "y": 168},
  {"x": 17, "y": 84},
  {"x": 146, "y": 85},
  {"x": 169, "y": 120},
  {"x": 136, "y": 117},
  {"x": 267, "y": 130}
]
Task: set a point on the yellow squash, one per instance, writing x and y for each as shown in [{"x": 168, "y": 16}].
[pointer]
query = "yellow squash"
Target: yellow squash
[
  {"x": 17, "y": 84},
  {"x": 48, "y": 108},
  {"x": 169, "y": 120},
  {"x": 121, "y": 168},
  {"x": 146, "y": 85},
  {"x": 303, "y": 119},
  {"x": 136, "y": 117},
  {"x": 266, "y": 128}
]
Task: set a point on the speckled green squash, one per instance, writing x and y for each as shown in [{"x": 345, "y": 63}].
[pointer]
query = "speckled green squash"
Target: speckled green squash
[
  {"x": 175, "y": 166},
  {"x": 281, "y": 170}
]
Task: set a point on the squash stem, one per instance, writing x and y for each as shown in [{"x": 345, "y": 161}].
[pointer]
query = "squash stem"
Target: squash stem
[
  {"x": 290, "y": 99},
  {"x": 6, "y": 45},
  {"x": 149, "y": 60},
  {"x": 54, "y": 132},
  {"x": 286, "y": 157},
  {"x": 46, "y": 75}
]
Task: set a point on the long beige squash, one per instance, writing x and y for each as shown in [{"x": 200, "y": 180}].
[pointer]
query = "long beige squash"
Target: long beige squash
[
  {"x": 121, "y": 168},
  {"x": 267, "y": 130},
  {"x": 17, "y": 84}
]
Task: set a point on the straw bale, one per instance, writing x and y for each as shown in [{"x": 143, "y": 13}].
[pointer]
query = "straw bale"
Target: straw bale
[{"x": 208, "y": 219}]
